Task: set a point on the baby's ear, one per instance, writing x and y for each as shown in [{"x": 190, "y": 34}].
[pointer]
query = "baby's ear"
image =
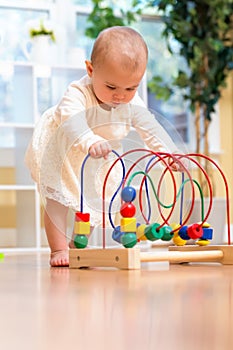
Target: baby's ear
[{"x": 89, "y": 68}]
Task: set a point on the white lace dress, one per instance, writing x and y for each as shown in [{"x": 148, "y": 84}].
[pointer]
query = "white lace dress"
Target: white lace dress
[{"x": 63, "y": 135}]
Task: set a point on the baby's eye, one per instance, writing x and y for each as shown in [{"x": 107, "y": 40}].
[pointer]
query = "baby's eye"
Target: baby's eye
[
  {"x": 110, "y": 87},
  {"x": 131, "y": 89}
]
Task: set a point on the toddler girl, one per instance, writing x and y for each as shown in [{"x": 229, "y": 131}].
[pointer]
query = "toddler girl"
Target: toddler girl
[{"x": 93, "y": 116}]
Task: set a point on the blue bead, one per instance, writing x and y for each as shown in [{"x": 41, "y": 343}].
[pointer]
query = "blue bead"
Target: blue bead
[
  {"x": 128, "y": 194},
  {"x": 183, "y": 233},
  {"x": 207, "y": 233},
  {"x": 117, "y": 233}
]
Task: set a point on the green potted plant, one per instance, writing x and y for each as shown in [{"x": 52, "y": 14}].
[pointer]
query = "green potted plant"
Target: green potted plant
[
  {"x": 42, "y": 29},
  {"x": 202, "y": 29},
  {"x": 40, "y": 48},
  {"x": 102, "y": 17}
]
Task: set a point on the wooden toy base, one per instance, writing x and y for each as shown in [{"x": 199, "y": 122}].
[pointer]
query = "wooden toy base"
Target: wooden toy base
[
  {"x": 131, "y": 258},
  {"x": 213, "y": 253},
  {"x": 119, "y": 258}
]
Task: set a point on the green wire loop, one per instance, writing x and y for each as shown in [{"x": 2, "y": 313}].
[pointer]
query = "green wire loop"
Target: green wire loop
[{"x": 178, "y": 194}]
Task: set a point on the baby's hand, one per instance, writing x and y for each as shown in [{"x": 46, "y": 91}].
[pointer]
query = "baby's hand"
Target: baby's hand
[
  {"x": 179, "y": 165},
  {"x": 100, "y": 149}
]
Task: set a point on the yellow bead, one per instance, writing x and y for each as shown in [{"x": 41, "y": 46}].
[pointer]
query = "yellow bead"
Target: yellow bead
[
  {"x": 175, "y": 227},
  {"x": 205, "y": 225},
  {"x": 82, "y": 228},
  {"x": 128, "y": 224},
  {"x": 178, "y": 240},
  {"x": 202, "y": 242},
  {"x": 140, "y": 232}
]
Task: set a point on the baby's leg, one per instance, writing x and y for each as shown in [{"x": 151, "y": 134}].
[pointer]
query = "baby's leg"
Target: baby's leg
[{"x": 55, "y": 219}]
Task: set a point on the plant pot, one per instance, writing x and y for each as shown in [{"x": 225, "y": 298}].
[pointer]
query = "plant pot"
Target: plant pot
[{"x": 40, "y": 50}]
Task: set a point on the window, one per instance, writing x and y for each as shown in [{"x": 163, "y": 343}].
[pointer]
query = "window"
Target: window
[
  {"x": 13, "y": 42},
  {"x": 15, "y": 36},
  {"x": 75, "y": 45},
  {"x": 162, "y": 63}
]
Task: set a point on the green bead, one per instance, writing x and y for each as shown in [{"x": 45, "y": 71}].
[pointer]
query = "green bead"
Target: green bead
[
  {"x": 1, "y": 256},
  {"x": 129, "y": 239},
  {"x": 80, "y": 241},
  {"x": 167, "y": 235},
  {"x": 152, "y": 233}
]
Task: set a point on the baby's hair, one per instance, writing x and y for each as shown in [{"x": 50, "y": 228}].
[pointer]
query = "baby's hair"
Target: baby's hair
[{"x": 123, "y": 43}]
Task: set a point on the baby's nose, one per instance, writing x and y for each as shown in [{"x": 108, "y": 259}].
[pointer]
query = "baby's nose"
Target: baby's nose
[{"x": 119, "y": 95}]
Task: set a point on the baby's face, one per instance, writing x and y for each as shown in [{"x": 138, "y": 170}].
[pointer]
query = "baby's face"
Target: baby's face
[{"x": 112, "y": 84}]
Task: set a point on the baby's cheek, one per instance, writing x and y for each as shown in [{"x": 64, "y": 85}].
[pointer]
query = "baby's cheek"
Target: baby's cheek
[{"x": 130, "y": 96}]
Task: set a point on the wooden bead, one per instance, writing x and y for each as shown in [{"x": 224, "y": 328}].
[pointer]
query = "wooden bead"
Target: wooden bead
[
  {"x": 140, "y": 232},
  {"x": 167, "y": 233},
  {"x": 202, "y": 242},
  {"x": 79, "y": 216},
  {"x": 207, "y": 233},
  {"x": 152, "y": 233},
  {"x": 116, "y": 234},
  {"x": 129, "y": 239},
  {"x": 128, "y": 224},
  {"x": 128, "y": 210},
  {"x": 175, "y": 227},
  {"x": 177, "y": 240},
  {"x": 128, "y": 194},
  {"x": 82, "y": 228},
  {"x": 204, "y": 224},
  {"x": 80, "y": 241},
  {"x": 183, "y": 233},
  {"x": 195, "y": 231}
]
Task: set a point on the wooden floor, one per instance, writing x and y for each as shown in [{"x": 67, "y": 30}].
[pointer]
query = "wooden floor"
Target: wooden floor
[{"x": 183, "y": 307}]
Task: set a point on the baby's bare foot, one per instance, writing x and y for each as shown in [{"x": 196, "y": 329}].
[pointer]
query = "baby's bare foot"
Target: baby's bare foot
[
  {"x": 71, "y": 245},
  {"x": 60, "y": 258}
]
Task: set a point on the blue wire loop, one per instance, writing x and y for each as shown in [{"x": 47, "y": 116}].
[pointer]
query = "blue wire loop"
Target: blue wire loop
[
  {"x": 82, "y": 182},
  {"x": 180, "y": 192}
]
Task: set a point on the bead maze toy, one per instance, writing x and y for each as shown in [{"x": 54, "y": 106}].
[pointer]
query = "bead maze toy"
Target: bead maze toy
[{"x": 130, "y": 231}]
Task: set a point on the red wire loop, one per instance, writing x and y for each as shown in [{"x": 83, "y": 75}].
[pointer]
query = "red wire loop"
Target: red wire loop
[{"x": 165, "y": 158}]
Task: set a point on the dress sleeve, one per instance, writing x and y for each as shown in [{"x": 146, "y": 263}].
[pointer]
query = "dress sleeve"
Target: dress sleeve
[
  {"x": 70, "y": 115},
  {"x": 150, "y": 130}
]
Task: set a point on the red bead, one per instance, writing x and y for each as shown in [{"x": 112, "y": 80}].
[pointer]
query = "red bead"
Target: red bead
[
  {"x": 195, "y": 231},
  {"x": 128, "y": 210},
  {"x": 79, "y": 216}
]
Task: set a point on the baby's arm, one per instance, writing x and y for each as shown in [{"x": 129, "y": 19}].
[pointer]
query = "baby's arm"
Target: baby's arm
[
  {"x": 70, "y": 115},
  {"x": 154, "y": 135},
  {"x": 100, "y": 149}
]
